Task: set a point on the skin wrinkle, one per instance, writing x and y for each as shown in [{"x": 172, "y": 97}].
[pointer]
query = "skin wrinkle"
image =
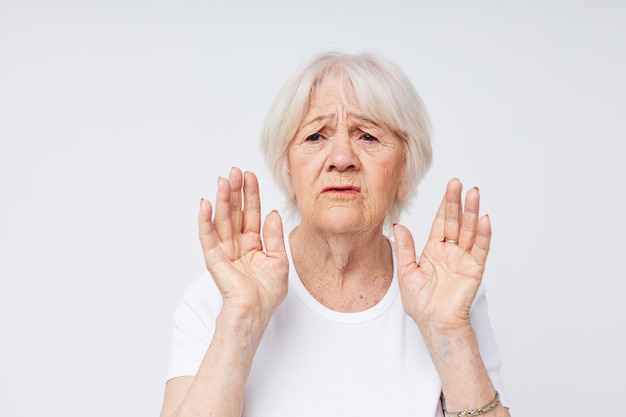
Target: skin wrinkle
[
  {"x": 331, "y": 117},
  {"x": 344, "y": 127},
  {"x": 331, "y": 289},
  {"x": 368, "y": 165},
  {"x": 327, "y": 124}
]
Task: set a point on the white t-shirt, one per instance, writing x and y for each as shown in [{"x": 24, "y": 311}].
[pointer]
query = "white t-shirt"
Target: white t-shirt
[{"x": 313, "y": 361}]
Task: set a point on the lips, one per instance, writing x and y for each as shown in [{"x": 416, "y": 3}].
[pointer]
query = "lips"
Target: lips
[{"x": 342, "y": 188}]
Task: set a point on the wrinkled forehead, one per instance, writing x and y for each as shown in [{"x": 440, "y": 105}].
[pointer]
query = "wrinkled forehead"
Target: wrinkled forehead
[{"x": 357, "y": 96}]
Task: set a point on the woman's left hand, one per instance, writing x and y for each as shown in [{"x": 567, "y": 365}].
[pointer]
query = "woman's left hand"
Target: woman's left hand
[{"x": 438, "y": 291}]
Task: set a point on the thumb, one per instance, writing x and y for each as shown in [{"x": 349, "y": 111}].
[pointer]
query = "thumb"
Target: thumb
[
  {"x": 273, "y": 236},
  {"x": 404, "y": 246}
]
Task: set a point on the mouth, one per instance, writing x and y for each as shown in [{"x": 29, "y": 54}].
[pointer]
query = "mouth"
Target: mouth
[{"x": 342, "y": 189}]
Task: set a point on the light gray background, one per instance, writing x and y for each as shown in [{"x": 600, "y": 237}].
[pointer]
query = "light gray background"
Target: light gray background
[{"x": 117, "y": 116}]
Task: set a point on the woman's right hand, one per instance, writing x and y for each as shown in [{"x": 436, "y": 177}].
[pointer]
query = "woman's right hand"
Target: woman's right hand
[{"x": 251, "y": 278}]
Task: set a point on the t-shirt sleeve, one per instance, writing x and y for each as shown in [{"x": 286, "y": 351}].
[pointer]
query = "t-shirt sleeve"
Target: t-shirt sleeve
[
  {"x": 193, "y": 327},
  {"x": 489, "y": 351}
]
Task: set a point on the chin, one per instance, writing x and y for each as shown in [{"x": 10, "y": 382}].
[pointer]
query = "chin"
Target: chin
[{"x": 344, "y": 221}]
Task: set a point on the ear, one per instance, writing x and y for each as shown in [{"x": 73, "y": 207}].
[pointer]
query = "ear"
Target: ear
[
  {"x": 403, "y": 189},
  {"x": 289, "y": 186}
]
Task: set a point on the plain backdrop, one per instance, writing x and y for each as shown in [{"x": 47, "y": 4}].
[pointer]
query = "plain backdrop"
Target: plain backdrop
[{"x": 117, "y": 116}]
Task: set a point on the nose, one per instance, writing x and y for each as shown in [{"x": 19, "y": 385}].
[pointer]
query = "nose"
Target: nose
[{"x": 342, "y": 154}]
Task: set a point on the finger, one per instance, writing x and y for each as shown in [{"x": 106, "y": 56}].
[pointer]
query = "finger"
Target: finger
[
  {"x": 235, "y": 178},
  {"x": 404, "y": 247},
  {"x": 273, "y": 236},
  {"x": 206, "y": 232},
  {"x": 467, "y": 234},
  {"x": 453, "y": 209},
  {"x": 251, "y": 204},
  {"x": 223, "y": 221},
  {"x": 436, "y": 230},
  {"x": 480, "y": 250}
]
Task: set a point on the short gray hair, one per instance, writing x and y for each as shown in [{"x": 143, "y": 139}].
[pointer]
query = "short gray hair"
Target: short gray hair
[{"x": 384, "y": 94}]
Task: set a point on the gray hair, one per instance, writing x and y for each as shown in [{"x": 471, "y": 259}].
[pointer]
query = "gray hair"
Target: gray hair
[{"x": 384, "y": 94}]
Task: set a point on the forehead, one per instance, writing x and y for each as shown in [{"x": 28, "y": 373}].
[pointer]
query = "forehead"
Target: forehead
[
  {"x": 331, "y": 97},
  {"x": 332, "y": 91}
]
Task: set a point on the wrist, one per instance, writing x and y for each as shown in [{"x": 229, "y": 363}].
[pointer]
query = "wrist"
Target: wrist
[
  {"x": 450, "y": 336},
  {"x": 465, "y": 382},
  {"x": 243, "y": 324},
  {"x": 452, "y": 348},
  {"x": 476, "y": 411}
]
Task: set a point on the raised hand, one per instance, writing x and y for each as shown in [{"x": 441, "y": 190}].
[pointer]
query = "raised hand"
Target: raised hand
[
  {"x": 252, "y": 278},
  {"x": 437, "y": 292}
]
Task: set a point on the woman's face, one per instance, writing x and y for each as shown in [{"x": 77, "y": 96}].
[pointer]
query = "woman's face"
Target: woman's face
[{"x": 345, "y": 169}]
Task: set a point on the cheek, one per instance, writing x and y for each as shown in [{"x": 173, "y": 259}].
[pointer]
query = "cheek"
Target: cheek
[
  {"x": 297, "y": 186},
  {"x": 390, "y": 179},
  {"x": 304, "y": 170},
  {"x": 387, "y": 187}
]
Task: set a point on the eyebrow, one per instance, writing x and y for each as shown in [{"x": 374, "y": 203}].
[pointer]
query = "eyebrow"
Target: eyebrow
[
  {"x": 331, "y": 116},
  {"x": 323, "y": 117},
  {"x": 363, "y": 119}
]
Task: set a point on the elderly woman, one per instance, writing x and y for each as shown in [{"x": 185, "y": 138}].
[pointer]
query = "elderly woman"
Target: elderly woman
[{"x": 335, "y": 318}]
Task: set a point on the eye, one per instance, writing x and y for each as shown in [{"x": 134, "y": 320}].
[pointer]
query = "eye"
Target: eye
[
  {"x": 314, "y": 137},
  {"x": 368, "y": 138}
]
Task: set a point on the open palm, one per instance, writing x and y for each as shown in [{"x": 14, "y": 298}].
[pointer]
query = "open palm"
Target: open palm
[
  {"x": 438, "y": 290},
  {"x": 250, "y": 277}
]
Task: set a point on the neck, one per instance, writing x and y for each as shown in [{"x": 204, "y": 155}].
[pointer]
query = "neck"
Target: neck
[{"x": 344, "y": 272}]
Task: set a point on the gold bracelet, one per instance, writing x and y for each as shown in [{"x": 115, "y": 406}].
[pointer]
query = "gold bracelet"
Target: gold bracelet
[{"x": 477, "y": 411}]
